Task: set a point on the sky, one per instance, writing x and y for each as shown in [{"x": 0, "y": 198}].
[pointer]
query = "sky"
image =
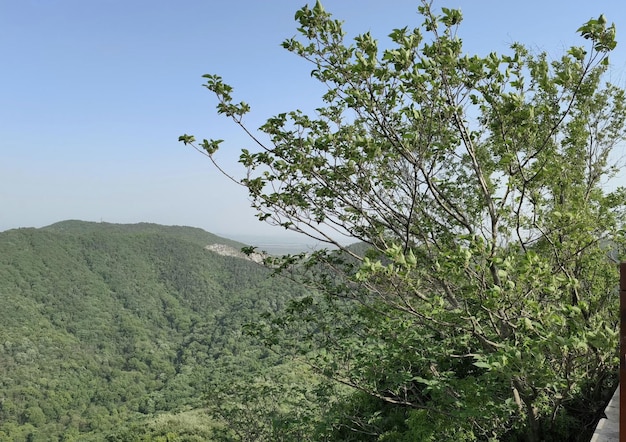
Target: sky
[{"x": 95, "y": 93}]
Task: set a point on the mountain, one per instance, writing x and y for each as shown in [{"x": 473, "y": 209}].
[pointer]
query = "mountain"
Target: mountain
[
  {"x": 105, "y": 326},
  {"x": 191, "y": 234}
]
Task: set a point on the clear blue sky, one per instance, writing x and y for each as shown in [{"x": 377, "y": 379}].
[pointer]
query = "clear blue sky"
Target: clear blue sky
[{"x": 94, "y": 94}]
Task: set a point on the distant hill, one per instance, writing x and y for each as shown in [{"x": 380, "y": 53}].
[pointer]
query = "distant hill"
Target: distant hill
[
  {"x": 192, "y": 234},
  {"x": 103, "y": 325},
  {"x": 279, "y": 244}
]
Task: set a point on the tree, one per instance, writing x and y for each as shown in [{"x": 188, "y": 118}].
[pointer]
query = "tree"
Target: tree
[{"x": 482, "y": 295}]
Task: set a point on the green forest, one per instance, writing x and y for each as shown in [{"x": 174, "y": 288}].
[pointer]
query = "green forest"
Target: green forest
[
  {"x": 466, "y": 290},
  {"x": 134, "y": 332}
]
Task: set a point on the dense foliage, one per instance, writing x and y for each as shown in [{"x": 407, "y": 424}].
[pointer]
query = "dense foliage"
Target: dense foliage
[
  {"x": 131, "y": 332},
  {"x": 484, "y": 304}
]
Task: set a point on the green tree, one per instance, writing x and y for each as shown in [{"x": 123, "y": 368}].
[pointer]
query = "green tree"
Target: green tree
[{"x": 482, "y": 296}]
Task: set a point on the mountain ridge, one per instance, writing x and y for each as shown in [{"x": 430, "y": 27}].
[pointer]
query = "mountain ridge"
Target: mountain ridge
[
  {"x": 193, "y": 234},
  {"x": 104, "y": 325}
]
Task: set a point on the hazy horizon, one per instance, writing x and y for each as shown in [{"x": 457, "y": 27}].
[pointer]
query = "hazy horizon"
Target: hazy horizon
[{"x": 272, "y": 242}]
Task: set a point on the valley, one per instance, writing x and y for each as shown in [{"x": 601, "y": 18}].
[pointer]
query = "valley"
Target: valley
[{"x": 122, "y": 332}]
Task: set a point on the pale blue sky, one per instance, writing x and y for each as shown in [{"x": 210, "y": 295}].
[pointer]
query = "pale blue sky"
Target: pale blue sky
[{"x": 94, "y": 94}]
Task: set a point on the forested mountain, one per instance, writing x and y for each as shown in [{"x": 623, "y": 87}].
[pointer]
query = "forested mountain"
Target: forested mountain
[{"x": 104, "y": 328}]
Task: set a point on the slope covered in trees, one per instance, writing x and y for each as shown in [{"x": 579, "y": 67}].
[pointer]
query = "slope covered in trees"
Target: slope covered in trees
[{"x": 103, "y": 327}]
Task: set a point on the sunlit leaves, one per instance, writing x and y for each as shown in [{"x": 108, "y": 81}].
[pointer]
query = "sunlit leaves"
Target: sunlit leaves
[
  {"x": 475, "y": 187},
  {"x": 597, "y": 31}
]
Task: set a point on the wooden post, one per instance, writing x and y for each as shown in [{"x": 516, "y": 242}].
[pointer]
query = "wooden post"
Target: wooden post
[{"x": 622, "y": 352}]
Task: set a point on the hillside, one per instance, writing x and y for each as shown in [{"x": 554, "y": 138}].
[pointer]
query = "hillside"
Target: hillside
[
  {"x": 191, "y": 234},
  {"x": 103, "y": 326}
]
